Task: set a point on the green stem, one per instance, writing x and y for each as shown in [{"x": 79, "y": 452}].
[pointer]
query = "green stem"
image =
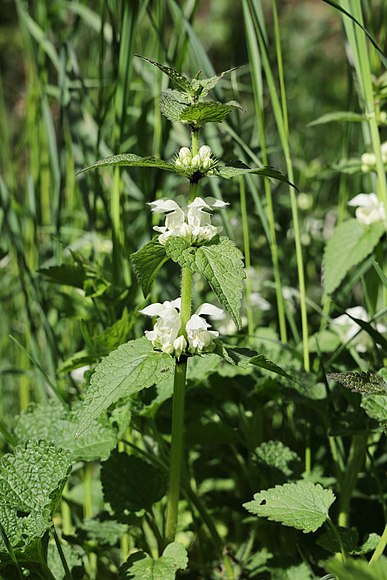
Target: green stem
[
  {"x": 380, "y": 547},
  {"x": 246, "y": 248},
  {"x": 176, "y": 450},
  {"x": 356, "y": 459},
  {"x": 68, "y": 575}
]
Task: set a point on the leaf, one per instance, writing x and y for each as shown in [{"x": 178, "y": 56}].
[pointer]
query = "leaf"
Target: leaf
[
  {"x": 342, "y": 116},
  {"x": 131, "y": 483},
  {"x": 220, "y": 262},
  {"x": 53, "y": 422},
  {"x": 65, "y": 274},
  {"x": 363, "y": 382},
  {"x": 178, "y": 80},
  {"x": 238, "y": 168},
  {"x": 276, "y": 454},
  {"x": 131, "y": 160},
  {"x": 147, "y": 262},
  {"x": 261, "y": 361},
  {"x": 350, "y": 243},
  {"x": 107, "y": 532},
  {"x": 298, "y": 572},
  {"x": 128, "y": 369},
  {"x": 31, "y": 481},
  {"x": 369, "y": 545},
  {"x": 376, "y": 407},
  {"x": 198, "y": 114},
  {"x": 203, "y": 86},
  {"x": 73, "y": 559},
  {"x": 300, "y": 505},
  {"x": 172, "y": 104},
  {"x": 329, "y": 540},
  {"x": 140, "y": 566},
  {"x": 352, "y": 569}
]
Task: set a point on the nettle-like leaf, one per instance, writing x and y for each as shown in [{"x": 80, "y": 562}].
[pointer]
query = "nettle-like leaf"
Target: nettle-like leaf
[
  {"x": 131, "y": 160},
  {"x": 363, "y": 382},
  {"x": 53, "y": 422},
  {"x": 301, "y": 505},
  {"x": 330, "y": 542},
  {"x": 220, "y": 262},
  {"x": 243, "y": 357},
  {"x": 260, "y": 360},
  {"x": 172, "y": 104},
  {"x": 131, "y": 483},
  {"x": 140, "y": 566},
  {"x": 128, "y": 369},
  {"x": 351, "y": 569},
  {"x": 204, "y": 86},
  {"x": 107, "y": 532},
  {"x": 275, "y": 454},
  {"x": 178, "y": 80},
  {"x": 147, "y": 263},
  {"x": 31, "y": 482},
  {"x": 376, "y": 407},
  {"x": 198, "y": 114},
  {"x": 349, "y": 245},
  {"x": 238, "y": 168},
  {"x": 73, "y": 560}
]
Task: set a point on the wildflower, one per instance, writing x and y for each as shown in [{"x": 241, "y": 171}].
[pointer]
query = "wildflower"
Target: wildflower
[
  {"x": 200, "y": 339},
  {"x": 202, "y": 161},
  {"x": 369, "y": 209},
  {"x": 165, "y": 334},
  {"x": 349, "y": 330},
  {"x": 194, "y": 225},
  {"x": 368, "y": 160}
]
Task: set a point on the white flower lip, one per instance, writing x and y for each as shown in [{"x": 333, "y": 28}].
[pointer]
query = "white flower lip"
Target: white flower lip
[{"x": 369, "y": 209}]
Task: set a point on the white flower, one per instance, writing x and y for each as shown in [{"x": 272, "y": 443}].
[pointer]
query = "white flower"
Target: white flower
[
  {"x": 165, "y": 334},
  {"x": 200, "y": 339},
  {"x": 348, "y": 330},
  {"x": 194, "y": 225},
  {"x": 369, "y": 209}
]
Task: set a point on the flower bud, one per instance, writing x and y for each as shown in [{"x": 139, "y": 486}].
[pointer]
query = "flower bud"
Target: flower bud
[
  {"x": 195, "y": 162},
  {"x": 180, "y": 344},
  {"x": 205, "y": 152},
  {"x": 185, "y": 153}
]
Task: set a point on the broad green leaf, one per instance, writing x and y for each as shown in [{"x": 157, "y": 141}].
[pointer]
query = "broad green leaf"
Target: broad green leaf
[
  {"x": 261, "y": 361},
  {"x": 147, "y": 263},
  {"x": 131, "y": 483},
  {"x": 115, "y": 334},
  {"x": 298, "y": 572},
  {"x": 220, "y": 262},
  {"x": 33, "y": 476},
  {"x": 349, "y": 245},
  {"x": 172, "y": 104},
  {"x": 31, "y": 481},
  {"x": 352, "y": 569},
  {"x": 131, "y": 160},
  {"x": 363, "y": 382},
  {"x": 198, "y": 114},
  {"x": 73, "y": 560},
  {"x": 53, "y": 422},
  {"x": 177, "y": 79},
  {"x": 203, "y": 86},
  {"x": 65, "y": 274},
  {"x": 238, "y": 168},
  {"x": 376, "y": 407},
  {"x": 330, "y": 542},
  {"x": 107, "y": 532},
  {"x": 276, "y": 454},
  {"x": 300, "y": 505},
  {"x": 128, "y": 369},
  {"x": 342, "y": 116},
  {"x": 140, "y": 566}
]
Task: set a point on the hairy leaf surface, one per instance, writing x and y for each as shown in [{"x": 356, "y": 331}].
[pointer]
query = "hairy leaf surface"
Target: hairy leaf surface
[{"x": 147, "y": 263}]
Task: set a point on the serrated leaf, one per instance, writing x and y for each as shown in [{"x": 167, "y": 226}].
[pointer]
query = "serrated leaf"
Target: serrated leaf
[
  {"x": 172, "y": 104},
  {"x": 349, "y": 245},
  {"x": 131, "y": 483},
  {"x": 363, "y": 382},
  {"x": 23, "y": 533},
  {"x": 351, "y": 569},
  {"x": 177, "y": 79},
  {"x": 53, "y": 422},
  {"x": 66, "y": 274},
  {"x": 340, "y": 116},
  {"x": 131, "y": 160},
  {"x": 238, "y": 168},
  {"x": 376, "y": 407},
  {"x": 147, "y": 263},
  {"x": 330, "y": 542},
  {"x": 300, "y": 505},
  {"x": 128, "y": 369},
  {"x": 220, "y": 262},
  {"x": 140, "y": 566},
  {"x": 276, "y": 454},
  {"x": 203, "y": 86},
  {"x": 33, "y": 476},
  {"x": 107, "y": 532},
  {"x": 198, "y": 114}
]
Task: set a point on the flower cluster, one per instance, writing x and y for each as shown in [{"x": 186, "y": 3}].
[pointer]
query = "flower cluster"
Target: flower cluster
[
  {"x": 194, "y": 225},
  {"x": 369, "y": 209},
  {"x": 368, "y": 160},
  {"x": 167, "y": 332},
  {"x": 201, "y": 162}
]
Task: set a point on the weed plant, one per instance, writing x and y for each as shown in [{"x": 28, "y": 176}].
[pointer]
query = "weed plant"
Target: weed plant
[{"x": 194, "y": 293}]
